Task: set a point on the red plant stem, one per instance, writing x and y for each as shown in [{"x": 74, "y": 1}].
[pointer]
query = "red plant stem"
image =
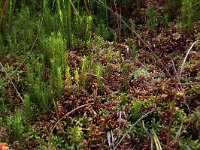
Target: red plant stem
[
  {"x": 118, "y": 31},
  {"x": 117, "y": 21},
  {"x": 4, "y": 7}
]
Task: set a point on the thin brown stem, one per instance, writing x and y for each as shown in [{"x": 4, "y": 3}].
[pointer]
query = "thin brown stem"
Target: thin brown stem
[
  {"x": 118, "y": 30},
  {"x": 172, "y": 106}
]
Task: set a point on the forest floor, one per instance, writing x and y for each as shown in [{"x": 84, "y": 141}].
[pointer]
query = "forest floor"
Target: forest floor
[{"x": 131, "y": 98}]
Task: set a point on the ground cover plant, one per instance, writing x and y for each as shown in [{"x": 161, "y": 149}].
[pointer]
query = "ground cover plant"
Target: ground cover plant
[{"x": 99, "y": 74}]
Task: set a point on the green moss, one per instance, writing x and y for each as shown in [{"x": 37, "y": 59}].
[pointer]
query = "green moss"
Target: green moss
[
  {"x": 152, "y": 19},
  {"x": 76, "y": 135},
  {"x": 194, "y": 89}
]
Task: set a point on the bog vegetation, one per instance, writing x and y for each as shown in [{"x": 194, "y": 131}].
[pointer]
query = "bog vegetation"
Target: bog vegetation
[{"x": 100, "y": 74}]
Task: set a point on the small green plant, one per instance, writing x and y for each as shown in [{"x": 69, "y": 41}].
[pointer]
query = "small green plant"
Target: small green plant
[
  {"x": 55, "y": 51},
  {"x": 59, "y": 80},
  {"x": 39, "y": 67},
  {"x": 140, "y": 72},
  {"x": 123, "y": 99},
  {"x": 195, "y": 117},
  {"x": 194, "y": 89},
  {"x": 45, "y": 101},
  {"x": 68, "y": 77},
  {"x": 132, "y": 25},
  {"x": 138, "y": 104},
  {"x": 39, "y": 90},
  {"x": 42, "y": 95},
  {"x": 15, "y": 125},
  {"x": 77, "y": 76},
  {"x": 136, "y": 109},
  {"x": 84, "y": 68},
  {"x": 27, "y": 108},
  {"x": 179, "y": 116},
  {"x": 51, "y": 21},
  {"x": 166, "y": 19},
  {"x": 89, "y": 21},
  {"x": 82, "y": 27},
  {"x": 4, "y": 109},
  {"x": 56, "y": 80},
  {"x": 171, "y": 8},
  {"x": 76, "y": 135},
  {"x": 187, "y": 15},
  {"x": 109, "y": 55},
  {"x": 1, "y": 83},
  {"x": 134, "y": 53},
  {"x": 102, "y": 30},
  {"x": 155, "y": 124},
  {"x": 189, "y": 144},
  {"x": 22, "y": 34},
  {"x": 99, "y": 71},
  {"x": 151, "y": 20},
  {"x": 57, "y": 141}
]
